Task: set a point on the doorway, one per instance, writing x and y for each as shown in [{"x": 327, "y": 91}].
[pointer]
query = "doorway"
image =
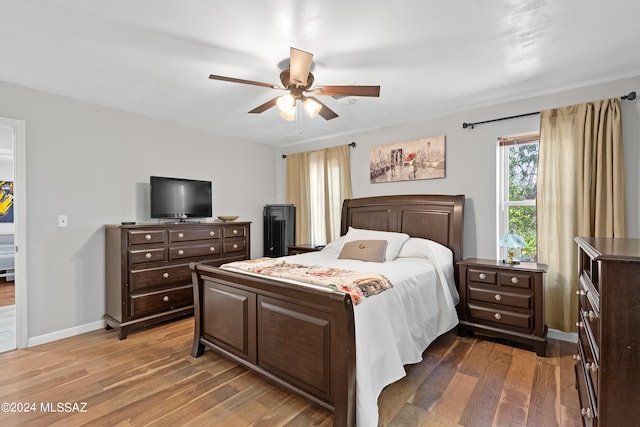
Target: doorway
[{"x": 13, "y": 317}]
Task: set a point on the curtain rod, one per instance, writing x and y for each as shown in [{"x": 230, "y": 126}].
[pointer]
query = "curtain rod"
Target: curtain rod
[
  {"x": 631, "y": 96},
  {"x": 351, "y": 144}
]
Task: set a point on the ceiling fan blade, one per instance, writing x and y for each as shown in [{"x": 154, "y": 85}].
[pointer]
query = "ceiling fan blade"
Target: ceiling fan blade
[
  {"x": 299, "y": 66},
  {"x": 246, "y": 82},
  {"x": 264, "y": 107},
  {"x": 347, "y": 90},
  {"x": 326, "y": 112}
]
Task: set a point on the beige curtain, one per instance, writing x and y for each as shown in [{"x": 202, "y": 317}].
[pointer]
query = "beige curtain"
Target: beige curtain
[
  {"x": 317, "y": 183},
  {"x": 581, "y": 192}
]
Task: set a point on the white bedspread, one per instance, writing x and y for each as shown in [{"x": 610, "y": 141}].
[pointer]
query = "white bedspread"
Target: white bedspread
[{"x": 394, "y": 328}]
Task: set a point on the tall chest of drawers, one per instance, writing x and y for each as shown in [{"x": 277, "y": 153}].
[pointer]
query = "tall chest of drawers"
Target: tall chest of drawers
[
  {"x": 608, "y": 354},
  {"x": 147, "y": 273}
]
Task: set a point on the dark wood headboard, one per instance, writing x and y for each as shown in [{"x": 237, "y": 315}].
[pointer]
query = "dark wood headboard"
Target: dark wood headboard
[{"x": 435, "y": 217}]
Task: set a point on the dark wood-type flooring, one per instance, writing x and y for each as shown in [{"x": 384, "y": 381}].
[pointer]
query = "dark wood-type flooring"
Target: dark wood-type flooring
[
  {"x": 7, "y": 294},
  {"x": 151, "y": 379}
]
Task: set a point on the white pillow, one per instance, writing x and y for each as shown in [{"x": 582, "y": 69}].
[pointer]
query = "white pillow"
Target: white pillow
[
  {"x": 394, "y": 240},
  {"x": 424, "y": 248}
]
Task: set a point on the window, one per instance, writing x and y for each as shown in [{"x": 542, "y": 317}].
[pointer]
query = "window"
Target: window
[{"x": 517, "y": 185}]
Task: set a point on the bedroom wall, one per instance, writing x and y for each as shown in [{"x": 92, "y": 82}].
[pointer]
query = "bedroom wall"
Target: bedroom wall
[
  {"x": 93, "y": 164},
  {"x": 471, "y": 156}
]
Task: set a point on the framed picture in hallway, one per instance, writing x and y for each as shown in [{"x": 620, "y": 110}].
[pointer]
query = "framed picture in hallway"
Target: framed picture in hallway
[
  {"x": 6, "y": 201},
  {"x": 422, "y": 158}
]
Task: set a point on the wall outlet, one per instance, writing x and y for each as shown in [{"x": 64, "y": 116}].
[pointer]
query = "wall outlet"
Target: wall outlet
[{"x": 63, "y": 221}]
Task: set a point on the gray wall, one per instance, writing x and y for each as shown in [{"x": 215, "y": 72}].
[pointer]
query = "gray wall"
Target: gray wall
[
  {"x": 471, "y": 156},
  {"x": 93, "y": 164}
]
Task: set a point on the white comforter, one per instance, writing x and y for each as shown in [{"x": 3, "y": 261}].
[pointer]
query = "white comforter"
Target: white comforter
[{"x": 394, "y": 327}]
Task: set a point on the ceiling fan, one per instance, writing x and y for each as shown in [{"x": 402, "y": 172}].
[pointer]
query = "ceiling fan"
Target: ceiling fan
[{"x": 298, "y": 80}]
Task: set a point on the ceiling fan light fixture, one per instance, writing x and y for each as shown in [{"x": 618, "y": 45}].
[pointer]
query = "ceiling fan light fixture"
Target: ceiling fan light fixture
[
  {"x": 286, "y": 103},
  {"x": 312, "y": 107},
  {"x": 289, "y": 115}
]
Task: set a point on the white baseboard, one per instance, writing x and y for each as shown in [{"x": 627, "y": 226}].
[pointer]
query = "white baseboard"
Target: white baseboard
[
  {"x": 562, "y": 336},
  {"x": 65, "y": 333}
]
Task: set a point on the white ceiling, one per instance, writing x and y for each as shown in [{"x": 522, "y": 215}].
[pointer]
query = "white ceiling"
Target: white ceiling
[{"x": 430, "y": 58}]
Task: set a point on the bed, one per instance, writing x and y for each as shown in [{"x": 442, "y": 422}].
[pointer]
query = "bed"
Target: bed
[{"x": 303, "y": 337}]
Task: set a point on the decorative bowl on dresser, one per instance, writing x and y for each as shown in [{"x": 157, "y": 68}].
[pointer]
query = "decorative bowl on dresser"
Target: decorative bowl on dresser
[
  {"x": 148, "y": 279},
  {"x": 608, "y": 355},
  {"x": 503, "y": 300}
]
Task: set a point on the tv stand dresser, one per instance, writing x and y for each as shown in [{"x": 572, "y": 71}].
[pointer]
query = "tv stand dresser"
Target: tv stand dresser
[{"x": 148, "y": 279}]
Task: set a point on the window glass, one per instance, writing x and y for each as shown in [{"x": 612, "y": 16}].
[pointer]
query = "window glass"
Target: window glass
[{"x": 518, "y": 179}]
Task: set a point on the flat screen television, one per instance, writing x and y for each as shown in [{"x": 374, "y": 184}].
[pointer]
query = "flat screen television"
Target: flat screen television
[{"x": 179, "y": 198}]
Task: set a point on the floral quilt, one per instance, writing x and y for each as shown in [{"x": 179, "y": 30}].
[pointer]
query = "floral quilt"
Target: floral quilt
[{"x": 357, "y": 284}]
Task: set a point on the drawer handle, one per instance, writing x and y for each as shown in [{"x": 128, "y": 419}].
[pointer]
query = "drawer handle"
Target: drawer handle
[
  {"x": 165, "y": 298},
  {"x": 498, "y": 316},
  {"x": 579, "y": 324},
  {"x": 498, "y": 297},
  {"x": 482, "y": 276},
  {"x": 581, "y": 292},
  {"x": 147, "y": 255},
  {"x": 591, "y": 366},
  {"x": 147, "y": 237},
  {"x": 212, "y": 233},
  {"x": 180, "y": 235},
  {"x": 180, "y": 252},
  {"x": 165, "y": 275},
  {"x": 576, "y": 357},
  {"x": 586, "y": 412},
  {"x": 212, "y": 249},
  {"x": 235, "y": 246},
  {"x": 514, "y": 280},
  {"x": 591, "y": 315},
  {"x": 235, "y": 231}
]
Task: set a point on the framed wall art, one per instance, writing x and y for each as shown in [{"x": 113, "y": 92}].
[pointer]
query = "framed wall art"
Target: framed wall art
[{"x": 422, "y": 158}]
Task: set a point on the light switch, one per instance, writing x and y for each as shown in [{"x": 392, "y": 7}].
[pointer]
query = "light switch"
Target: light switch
[{"x": 63, "y": 221}]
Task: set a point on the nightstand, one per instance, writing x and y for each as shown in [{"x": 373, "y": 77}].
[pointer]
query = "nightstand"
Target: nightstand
[
  {"x": 301, "y": 249},
  {"x": 503, "y": 300}
]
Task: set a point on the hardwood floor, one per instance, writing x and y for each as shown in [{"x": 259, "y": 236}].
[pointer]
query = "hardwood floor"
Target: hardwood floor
[
  {"x": 151, "y": 379},
  {"x": 7, "y": 294}
]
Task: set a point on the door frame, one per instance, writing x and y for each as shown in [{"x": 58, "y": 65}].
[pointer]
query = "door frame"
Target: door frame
[{"x": 20, "y": 221}]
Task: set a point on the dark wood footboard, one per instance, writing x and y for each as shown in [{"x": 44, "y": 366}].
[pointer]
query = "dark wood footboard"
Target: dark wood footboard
[{"x": 300, "y": 338}]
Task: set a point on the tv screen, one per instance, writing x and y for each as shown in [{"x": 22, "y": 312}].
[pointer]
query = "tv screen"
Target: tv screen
[{"x": 179, "y": 198}]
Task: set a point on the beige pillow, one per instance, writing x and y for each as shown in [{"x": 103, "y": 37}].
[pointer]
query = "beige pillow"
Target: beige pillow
[{"x": 364, "y": 250}]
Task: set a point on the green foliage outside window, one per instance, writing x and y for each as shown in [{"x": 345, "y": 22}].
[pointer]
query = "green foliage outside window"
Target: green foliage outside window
[{"x": 523, "y": 180}]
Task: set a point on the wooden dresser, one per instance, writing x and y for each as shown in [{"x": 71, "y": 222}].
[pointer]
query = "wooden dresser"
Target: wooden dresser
[
  {"x": 503, "y": 300},
  {"x": 148, "y": 279},
  {"x": 608, "y": 355}
]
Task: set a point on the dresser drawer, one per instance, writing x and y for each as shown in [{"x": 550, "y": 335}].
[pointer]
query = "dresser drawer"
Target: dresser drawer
[
  {"x": 234, "y": 231},
  {"x": 143, "y": 237},
  {"x": 514, "y": 280},
  {"x": 500, "y": 296},
  {"x": 159, "y": 276},
  {"x": 180, "y": 252},
  {"x": 139, "y": 256},
  {"x": 501, "y": 316},
  {"x": 588, "y": 357},
  {"x": 157, "y": 302},
  {"x": 205, "y": 233},
  {"x": 482, "y": 276},
  {"x": 234, "y": 246}
]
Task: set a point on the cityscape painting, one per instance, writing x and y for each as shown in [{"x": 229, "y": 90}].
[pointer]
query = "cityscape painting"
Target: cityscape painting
[{"x": 422, "y": 158}]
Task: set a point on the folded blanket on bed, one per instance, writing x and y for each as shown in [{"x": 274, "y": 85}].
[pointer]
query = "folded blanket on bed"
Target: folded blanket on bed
[{"x": 356, "y": 284}]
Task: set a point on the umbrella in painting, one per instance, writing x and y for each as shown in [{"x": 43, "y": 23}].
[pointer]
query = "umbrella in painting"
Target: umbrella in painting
[{"x": 410, "y": 157}]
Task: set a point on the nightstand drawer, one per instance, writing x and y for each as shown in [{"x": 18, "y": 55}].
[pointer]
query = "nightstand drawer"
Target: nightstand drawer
[
  {"x": 500, "y": 296},
  {"x": 501, "y": 317},
  {"x": 482, "y": 276},
  {"x": 514, "y": 280}
]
